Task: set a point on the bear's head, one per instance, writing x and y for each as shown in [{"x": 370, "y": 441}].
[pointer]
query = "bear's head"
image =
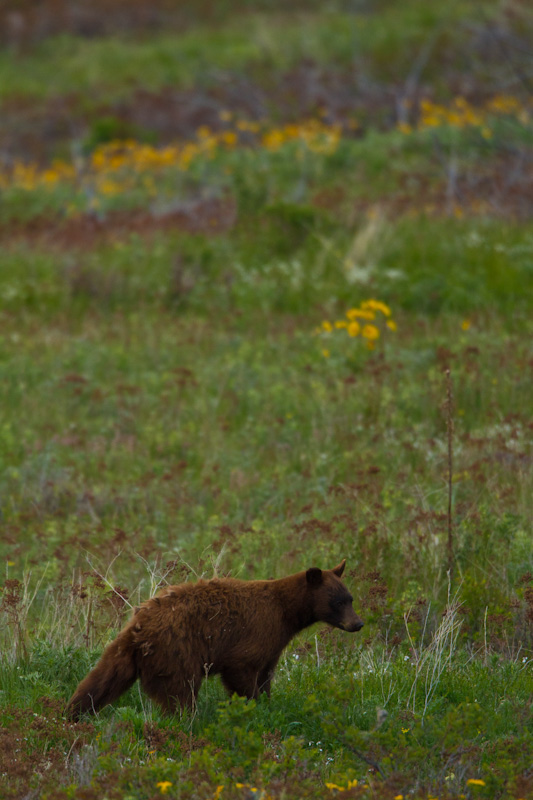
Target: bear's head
[{"x": 332, "y": 600}]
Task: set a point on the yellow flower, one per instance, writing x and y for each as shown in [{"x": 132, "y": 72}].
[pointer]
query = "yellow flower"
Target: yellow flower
[
  {"x": 327, "y": 326},
  {"x": 354, "y": 313},
  {"x": 325, "y": 353},
  {"x": 229, "y": 138},
  {"x": 377, "y": 305},
  {"x": 475, "y": 782},
  {"x": 465, "y": 324},
  {"x": 404, "y": 128},
  {"x": 354, "y": 329},
  {"x": 164, "y": 786},
  {"x": 370, "y": 332},
  {"x": 341, "y": 323},
  {"x": 392, "y": 325},
  {"x": 50, "y": 176},
  {"x": 272, "y": 140},
  {"x": 218, "y": 792}
]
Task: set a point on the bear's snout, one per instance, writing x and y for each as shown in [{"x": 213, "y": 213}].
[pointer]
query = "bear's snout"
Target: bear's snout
[{"x": 352, "y": 622}]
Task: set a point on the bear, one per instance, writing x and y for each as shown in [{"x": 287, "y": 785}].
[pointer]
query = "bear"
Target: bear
[{"x": 225, "y": 626}]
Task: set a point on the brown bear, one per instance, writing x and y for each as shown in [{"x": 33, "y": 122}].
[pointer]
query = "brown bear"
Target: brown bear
[{"x": 235, "y": 628}]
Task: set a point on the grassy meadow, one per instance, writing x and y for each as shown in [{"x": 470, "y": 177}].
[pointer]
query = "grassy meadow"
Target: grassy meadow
[{"x": 266, "y": 302}]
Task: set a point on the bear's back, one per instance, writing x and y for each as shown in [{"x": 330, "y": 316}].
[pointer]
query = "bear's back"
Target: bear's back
[{"x": 215, "y": 613}]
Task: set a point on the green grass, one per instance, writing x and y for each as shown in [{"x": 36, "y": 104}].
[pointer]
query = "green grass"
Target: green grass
[{"x": 260, "y": 43}]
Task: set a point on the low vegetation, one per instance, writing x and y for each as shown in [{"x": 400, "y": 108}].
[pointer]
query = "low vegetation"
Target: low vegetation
[{"x": 291, "y": 327}]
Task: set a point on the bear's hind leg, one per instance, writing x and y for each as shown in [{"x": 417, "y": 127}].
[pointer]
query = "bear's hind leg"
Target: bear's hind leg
[
  {"x": 244, "y": 682},
  {"x": 265, "y": 678},
  {"x": 172, "y": 693}
]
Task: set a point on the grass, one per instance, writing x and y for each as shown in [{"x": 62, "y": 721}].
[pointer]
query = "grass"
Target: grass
[
  {"x": 258, "y": 42},
  {"x": 173, "y": 406}
]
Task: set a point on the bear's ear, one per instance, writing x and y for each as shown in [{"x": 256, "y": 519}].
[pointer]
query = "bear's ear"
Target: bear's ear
[
  {"x": 339, "y": 569},
  {"x": 314, "y": 576}
]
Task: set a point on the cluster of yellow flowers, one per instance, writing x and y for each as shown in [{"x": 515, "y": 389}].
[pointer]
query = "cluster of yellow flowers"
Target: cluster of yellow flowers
[
  {"x": 367, "y": 321},
  {"x": 315, "y": 135},
  {"x": 334, "y": 787},
  {"x": 261, "y": 794},
  {"x": 117, "y": 167},
  {"x": 251, "y": 791},
  {"x": 112, "y": 166},
  {"x": 30, "y": 177},
  {"x": 351, "y": 784},
  {"x": 462, "y": 114}
]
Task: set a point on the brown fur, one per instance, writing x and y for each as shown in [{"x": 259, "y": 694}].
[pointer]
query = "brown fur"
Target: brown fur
[{"x": 235, "y": 628}]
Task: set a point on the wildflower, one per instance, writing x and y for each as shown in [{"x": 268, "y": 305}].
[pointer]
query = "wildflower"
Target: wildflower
[
  {"x": 362, "y": 313},
  {"x": 229, "y": 138},
  {"x": 465, "y": 324},
  {"x": 391, "y": 325},
  {"x": 164, "y": 786},
  {"x": 354, "y": 329},
  {"x": 377, "y": 305},
  {"x": 272, "y": 140},
  {"x": 404, "y": 128},
  {"x": 327, "y": 326},
  {"x": 370, "y": 332},
  {"x": 326, "y": 353},
  {"x": 50, "y": 176},
  {"x": 335, "y": 787},
  {"x": 475, "y": 782}
]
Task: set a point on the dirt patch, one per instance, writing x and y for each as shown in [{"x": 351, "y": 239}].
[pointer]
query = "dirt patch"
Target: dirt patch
[{"x": 208, "y": 216}]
